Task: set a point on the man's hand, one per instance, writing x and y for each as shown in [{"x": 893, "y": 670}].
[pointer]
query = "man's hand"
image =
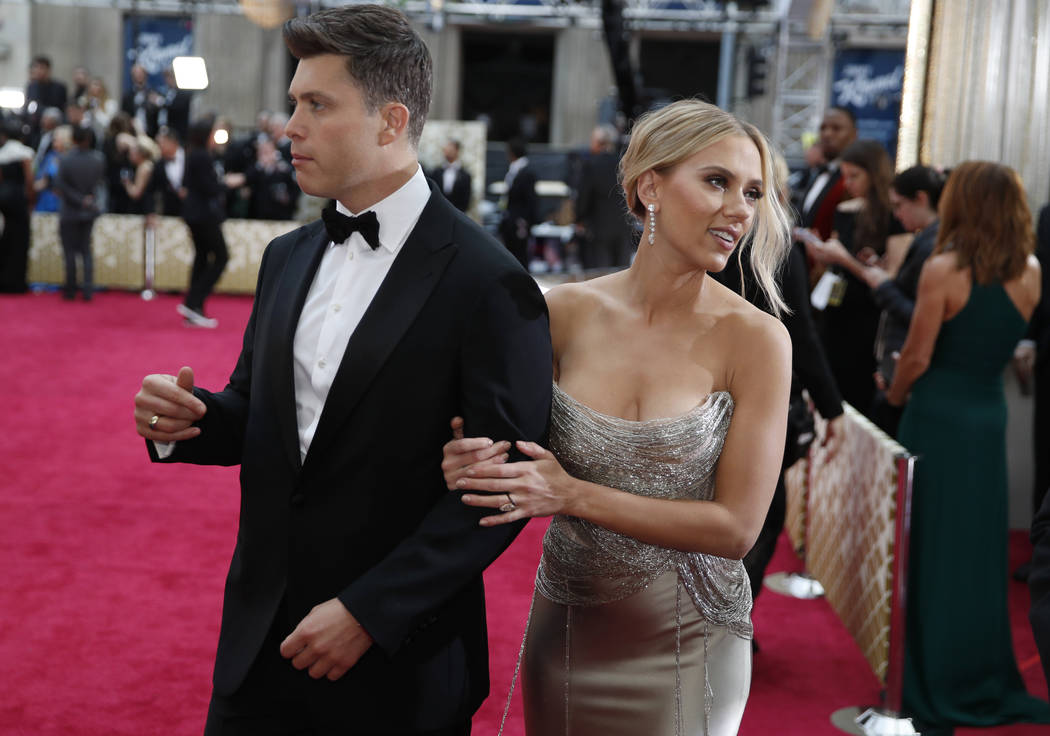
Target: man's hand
[
  {"x": 170, "y": 399},
  {"x": 329, "y": 641}
]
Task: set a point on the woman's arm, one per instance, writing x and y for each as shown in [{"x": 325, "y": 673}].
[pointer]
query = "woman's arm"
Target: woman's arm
[
  {"x": 137, "y": 187},
  {"x": 930, "y": 310},
  {"x": 744, "y": 481}
]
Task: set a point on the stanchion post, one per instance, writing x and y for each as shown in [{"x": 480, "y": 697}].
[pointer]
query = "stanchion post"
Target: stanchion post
[
  {"x": 149, "y": 258},
  {"x": 898, "y": 612},
  {"x": 887, "y": 720}
]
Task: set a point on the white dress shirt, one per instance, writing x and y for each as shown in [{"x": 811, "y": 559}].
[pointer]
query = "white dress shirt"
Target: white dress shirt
[
  {"x": 348, "y": 277},
  {"x": 346, "y": 281},
  {"x": 818, "y": 185},
  {"x": 448, "y": 177}
]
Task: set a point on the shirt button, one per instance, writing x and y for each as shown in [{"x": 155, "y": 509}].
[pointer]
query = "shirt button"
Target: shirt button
[
  {"x": 322, "y": 363},
  {"x": 336, "y": 307},
  {"x": 350, "y": 255}
]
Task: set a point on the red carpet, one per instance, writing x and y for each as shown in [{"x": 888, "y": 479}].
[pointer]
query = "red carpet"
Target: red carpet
[{"x": 113, "y": 568}]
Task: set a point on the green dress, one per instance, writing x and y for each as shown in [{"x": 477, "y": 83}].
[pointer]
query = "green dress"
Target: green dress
[{"x": 959, "y": 664}]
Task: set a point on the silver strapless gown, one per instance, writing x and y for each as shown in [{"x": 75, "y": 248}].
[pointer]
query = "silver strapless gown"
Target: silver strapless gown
[{"x": 625, "y": 637}]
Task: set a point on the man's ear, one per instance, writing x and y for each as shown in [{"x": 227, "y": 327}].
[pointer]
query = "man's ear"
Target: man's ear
[{"x": 395, "y": 118}]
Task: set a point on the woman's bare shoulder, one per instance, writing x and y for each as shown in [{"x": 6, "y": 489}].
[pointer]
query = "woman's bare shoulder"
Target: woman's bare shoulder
[
  {"x": 578, "y": 298},
  {"x": 749, "y": 326}
]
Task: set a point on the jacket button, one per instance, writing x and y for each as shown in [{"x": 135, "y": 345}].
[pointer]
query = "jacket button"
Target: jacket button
[{"x": 298, "y": 499}]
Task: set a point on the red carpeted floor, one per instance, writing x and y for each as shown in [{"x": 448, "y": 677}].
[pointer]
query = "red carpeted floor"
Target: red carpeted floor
[{"x": 113, "y": 568}]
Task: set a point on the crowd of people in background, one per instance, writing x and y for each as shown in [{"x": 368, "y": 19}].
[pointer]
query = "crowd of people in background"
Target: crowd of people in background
[{"x": 81, "y": 152}]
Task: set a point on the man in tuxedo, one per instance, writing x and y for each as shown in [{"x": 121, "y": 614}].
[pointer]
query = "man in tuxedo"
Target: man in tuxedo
[
  {"x": 453, "y": 179},
  {"x": 523, "y": 205},
  {"x": 141, "y": 102},
  {"x": 837, "y": 130},
  {"x": 166, "y": 179},
  {"x": 1032, "y": 361},
  {"x": 354, "y": 600},
  {"x": 601, "y": 222}
]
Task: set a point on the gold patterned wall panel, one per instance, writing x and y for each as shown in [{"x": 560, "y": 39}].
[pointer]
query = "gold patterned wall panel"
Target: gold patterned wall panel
[
  {"x": 850, "y": 532},
  {"x": 117, "y": 242},
  {"x": 796, "y": 483}
]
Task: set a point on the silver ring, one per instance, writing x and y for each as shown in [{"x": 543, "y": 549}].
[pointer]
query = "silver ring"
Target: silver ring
[
  {"x": 153, "y": 421},
  {"x": 509, "y": 505}
]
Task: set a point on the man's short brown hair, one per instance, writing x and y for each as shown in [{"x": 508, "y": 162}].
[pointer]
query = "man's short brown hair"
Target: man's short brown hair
[{"x": 384, "y": 55}]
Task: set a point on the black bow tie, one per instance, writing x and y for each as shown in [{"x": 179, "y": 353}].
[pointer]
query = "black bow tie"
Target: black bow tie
[{"x": 340, "y": 226}]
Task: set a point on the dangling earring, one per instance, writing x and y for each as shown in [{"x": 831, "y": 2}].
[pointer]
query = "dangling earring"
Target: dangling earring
[{"x": 652, "y": 223}]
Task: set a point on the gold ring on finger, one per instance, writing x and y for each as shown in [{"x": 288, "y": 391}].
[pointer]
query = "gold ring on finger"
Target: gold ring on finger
[{"x": 153, "y": 421}]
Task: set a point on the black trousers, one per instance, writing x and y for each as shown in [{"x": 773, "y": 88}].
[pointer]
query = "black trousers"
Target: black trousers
[
  {"x": 208, "y": 263},
  {"x": 76, "y": 243},
  {"x": 1042, "y": 433},
  {"x": 14, "y": 252},
  {"x": 757, "y": 560},
  {"x": 274, "y": 700}
]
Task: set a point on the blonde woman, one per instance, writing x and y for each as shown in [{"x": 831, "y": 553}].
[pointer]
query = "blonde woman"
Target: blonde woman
[{"x": 667, "y": 430}]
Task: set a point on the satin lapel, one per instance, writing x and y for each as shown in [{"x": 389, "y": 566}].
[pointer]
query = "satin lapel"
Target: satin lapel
[
  {"x": 286, "y": 306},
  {"x": 406, "y": 288}
]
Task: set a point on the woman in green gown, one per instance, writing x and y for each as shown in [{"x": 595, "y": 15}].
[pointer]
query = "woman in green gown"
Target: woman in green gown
[{"x": 976, "y": 294}]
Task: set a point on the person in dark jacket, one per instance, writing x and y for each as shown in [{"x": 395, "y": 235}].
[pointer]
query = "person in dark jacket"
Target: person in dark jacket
[
  {"x": 203, "y": 209},
  {"x": 601, "y": 222},
  {"x": 80, "y": 174},
  {"x": 810, "y": 371},
  {"x": 523, "y": 204}
]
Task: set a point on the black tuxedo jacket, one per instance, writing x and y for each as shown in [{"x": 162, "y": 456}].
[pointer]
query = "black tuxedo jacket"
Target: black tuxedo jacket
[
  {"x": 460, "y": 194},
  {"x": 457, "y": 327},
  {"x": 1039, "y": 326}
]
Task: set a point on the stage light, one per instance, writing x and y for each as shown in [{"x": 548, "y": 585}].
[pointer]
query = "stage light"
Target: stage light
[
  {"x": 221, "y": 136},
  {"x": 12, "y": 98},
  {"x": 190, "y": 72}
]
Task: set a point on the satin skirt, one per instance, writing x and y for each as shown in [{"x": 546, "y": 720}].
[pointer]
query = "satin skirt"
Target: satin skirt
[{"x": 629, "y": 668}]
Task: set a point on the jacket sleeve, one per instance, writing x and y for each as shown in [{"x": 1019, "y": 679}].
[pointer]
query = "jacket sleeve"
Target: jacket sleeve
[
  {"x": 808, "y": 360},
  {"x": 222, "y": 427},
  {"x": 506, "y": 393}
]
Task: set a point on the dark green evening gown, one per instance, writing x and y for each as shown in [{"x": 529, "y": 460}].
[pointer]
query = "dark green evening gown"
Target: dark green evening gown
[{"x": 959, "y": 665}]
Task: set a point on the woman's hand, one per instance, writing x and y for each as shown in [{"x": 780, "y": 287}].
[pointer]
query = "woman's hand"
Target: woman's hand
[
  {"x": 539, "y": 487},
  {"x": 461, "y": 454},
  {"x": 831, "y": 251}
]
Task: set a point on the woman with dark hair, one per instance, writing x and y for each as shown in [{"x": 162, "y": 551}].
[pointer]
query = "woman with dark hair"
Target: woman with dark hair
[
  {"x": 913, "y": 195},
  {"x": 863, "y": 225},
  {"x": 976, "y": 294},
  {"x": 16, "y": 200},
  {"x": 118, "y": 167},
  {"x": 203, "y": 209}
]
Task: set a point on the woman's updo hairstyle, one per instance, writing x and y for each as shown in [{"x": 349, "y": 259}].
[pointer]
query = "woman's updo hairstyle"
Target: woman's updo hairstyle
[{"x": 663, "y": 138}]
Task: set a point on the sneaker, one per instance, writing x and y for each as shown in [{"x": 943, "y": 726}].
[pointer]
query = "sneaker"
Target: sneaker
[{"x": 195, "y": 318}]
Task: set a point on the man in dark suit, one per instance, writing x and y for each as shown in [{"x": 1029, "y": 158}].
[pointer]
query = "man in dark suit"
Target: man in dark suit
[
  {"x": 837, "y": 130},
  {"x": 80, "y": 174},
  {"x": 166, "y": 179},
  {"x": 523, "y": 205},
  {"x": 1032, "y": 360},
  {"x": 173, "y": 105},
  {"x": 452, "y": 178},
  {"x": 354, "y": 601},
  {"x": 142, "y": 102},
  {"x": 42, "y": 93},
  {"x": 601, "y": 221}
]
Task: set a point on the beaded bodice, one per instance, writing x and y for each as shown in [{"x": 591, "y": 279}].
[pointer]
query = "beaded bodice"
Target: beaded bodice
[{"x": 673, "y": 458}]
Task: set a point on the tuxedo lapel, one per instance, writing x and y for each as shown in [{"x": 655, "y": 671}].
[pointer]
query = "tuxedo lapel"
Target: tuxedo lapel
[
  {"x": 406, "y": 288},
  {"x": 286, "y": 306}
]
